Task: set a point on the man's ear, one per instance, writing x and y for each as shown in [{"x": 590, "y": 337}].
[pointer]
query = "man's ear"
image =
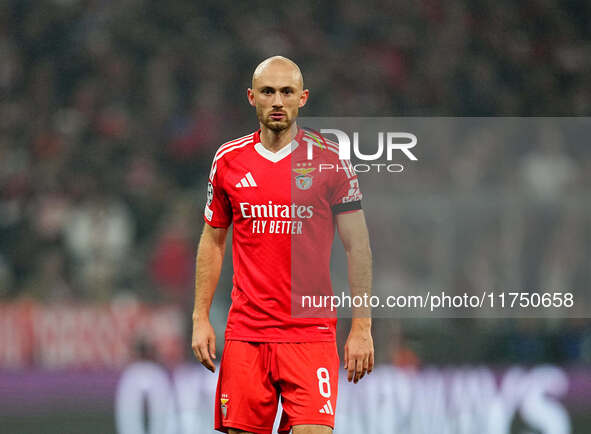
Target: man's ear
[
  {"x": 304, "y": 97},
  {"x": 250, "y": 96}
]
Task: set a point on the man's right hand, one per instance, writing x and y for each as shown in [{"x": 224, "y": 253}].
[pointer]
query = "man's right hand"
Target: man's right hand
[{"x": 203, "y": 343}]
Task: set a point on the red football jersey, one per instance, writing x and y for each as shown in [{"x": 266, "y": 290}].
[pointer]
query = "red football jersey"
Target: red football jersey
[{"x": 283, "y": 208}]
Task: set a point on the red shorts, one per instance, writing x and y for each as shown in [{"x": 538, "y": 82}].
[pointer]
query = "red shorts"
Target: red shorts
[{"x": 253, "y": 375}]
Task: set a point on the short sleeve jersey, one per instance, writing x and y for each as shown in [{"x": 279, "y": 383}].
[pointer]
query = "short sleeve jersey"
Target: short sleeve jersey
[{"x": 282, "y": 206}]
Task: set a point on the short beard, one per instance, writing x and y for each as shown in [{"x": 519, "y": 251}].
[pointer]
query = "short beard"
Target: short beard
[
  {"x": 277, "y": 126},
  {"x": 273, "y": 125}
]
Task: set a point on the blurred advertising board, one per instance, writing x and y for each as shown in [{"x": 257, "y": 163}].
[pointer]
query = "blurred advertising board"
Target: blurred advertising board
[
  {"x": 147, "y": 398},
  {"x": 90, "y": 336},
  {"x": 70, "y": 368}
]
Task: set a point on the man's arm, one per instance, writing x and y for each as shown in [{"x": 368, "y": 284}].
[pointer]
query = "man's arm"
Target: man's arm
[
  {"x": 210, "y": 255},
  {"x": 359, "y": 352}
]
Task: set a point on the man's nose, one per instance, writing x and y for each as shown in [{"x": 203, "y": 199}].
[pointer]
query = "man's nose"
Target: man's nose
[{"x": 277, "y": 100}]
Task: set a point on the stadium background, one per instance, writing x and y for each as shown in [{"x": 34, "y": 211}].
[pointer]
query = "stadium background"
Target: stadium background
[{"x": 110, "y": 113}]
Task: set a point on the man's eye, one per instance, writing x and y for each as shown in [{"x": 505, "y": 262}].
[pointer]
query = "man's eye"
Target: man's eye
[
  {"x": 267, "y": 91},
  {"x": 287, "y": 91}
]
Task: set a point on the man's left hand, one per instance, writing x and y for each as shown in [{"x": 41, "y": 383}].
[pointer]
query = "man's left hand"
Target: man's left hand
[{"x": 359, "y": 353}]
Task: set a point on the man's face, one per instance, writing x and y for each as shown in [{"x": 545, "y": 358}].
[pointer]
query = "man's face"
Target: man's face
[{"x": 277, "y": 95}]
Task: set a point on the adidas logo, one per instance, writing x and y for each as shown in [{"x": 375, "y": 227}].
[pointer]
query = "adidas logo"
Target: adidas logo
[
  {"x": 327, "y": 409},
  {"x": 247, "y": 181}
]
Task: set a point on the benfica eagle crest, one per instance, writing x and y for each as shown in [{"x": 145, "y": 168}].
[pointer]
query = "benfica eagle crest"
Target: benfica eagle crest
[{"x": 304, "y": 179}]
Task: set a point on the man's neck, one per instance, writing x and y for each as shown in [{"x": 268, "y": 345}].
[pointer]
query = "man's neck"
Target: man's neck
[{"x": 276, "y": 140}]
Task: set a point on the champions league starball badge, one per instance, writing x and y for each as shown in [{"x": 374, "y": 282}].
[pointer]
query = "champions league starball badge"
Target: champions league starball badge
[{"x": 209, "y": 193}]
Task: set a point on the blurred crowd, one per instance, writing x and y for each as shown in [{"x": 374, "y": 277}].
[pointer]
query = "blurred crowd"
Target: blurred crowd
[{"x": 110, "y": 112}]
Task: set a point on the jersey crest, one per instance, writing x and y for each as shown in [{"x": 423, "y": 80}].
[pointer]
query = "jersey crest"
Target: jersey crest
[{"x": 304, "y": 180}]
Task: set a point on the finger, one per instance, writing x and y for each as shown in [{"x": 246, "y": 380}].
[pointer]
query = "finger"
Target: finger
[
  {"x": 197, "y": 352},
  {"x": 365, "y": 366},
  {"x": 351, "y": 370},
  {"x": 212, "y": 347},
  {"x": 346, "y": 356},
  {"x": 359, "y": 369},
  {"x": 371, "y": 362},
  {"x": 206, "y": 360}
]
